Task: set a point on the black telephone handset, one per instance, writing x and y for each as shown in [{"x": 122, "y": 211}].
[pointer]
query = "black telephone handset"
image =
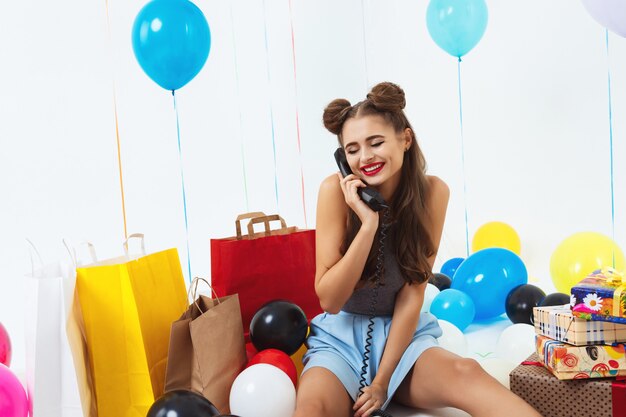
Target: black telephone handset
[{"x": 370, "y": 196}]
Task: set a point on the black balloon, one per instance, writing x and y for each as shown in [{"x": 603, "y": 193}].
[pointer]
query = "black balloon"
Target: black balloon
[
  {"x": 441, "y": 281},
  {"x": 182, "y": 403},
  {"x": 520, "y": 302},
  {"x": 555, "y": 299},
  {"x": 279, "y": 325}
]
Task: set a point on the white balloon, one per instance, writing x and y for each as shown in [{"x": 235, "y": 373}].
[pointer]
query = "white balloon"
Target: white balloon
[
  {"x": 262, "y": 390},
  {"x": 452, "y": 338},
  {"x": 429, "y": 295},
  {"x": 516, "y": 343},
  {"x": 499, "y": 369}
]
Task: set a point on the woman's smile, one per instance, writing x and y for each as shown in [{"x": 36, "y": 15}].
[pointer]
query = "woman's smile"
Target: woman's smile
[{"x": 372, "y": 169}]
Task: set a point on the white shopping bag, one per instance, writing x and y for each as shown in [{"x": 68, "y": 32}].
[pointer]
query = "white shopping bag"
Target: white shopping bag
[{"x": 51, "y": 377}]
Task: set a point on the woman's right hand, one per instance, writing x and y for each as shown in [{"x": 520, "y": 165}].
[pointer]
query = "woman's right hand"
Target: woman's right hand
[{"x": 349, "y": 185}]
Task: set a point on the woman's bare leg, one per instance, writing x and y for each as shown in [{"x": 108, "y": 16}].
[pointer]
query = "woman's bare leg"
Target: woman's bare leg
[
  {"x": 321, "y": 394},
  {"x": 442, "y": 379}
]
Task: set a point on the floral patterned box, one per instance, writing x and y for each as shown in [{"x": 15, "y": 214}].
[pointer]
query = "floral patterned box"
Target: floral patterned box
[
  {"x": 559, "y": 323},
  {"x": 552, "y": 397},
  {"x": 581, "y": 362},
  {"x": 601, "y": 296}
]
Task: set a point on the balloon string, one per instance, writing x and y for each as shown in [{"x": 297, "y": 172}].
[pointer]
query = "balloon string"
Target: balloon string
[
  {"x": 367, "y": 80},
  {"x": 242, "y": 146},
  {"x": 269, "y": 82},
  {"x": 463, "y": 158},
  {"x": 610, "y": 141},
  {"x": 117, "y": 130},
  {"x": 182, "y": 178},
  {"x": 295, "y": 87}
]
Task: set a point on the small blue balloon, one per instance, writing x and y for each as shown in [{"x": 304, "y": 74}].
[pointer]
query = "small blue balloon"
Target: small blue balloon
[
  {"x": 456, "y": 26},
  {"x": 488, "y": 276},
  {"x": 454, "y": 306},
  {"x": 450, "y": 266},
  {"x": 171, "y": 41}
]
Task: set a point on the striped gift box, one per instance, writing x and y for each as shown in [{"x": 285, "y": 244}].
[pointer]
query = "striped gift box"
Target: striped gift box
[{"x": 557, "y": 322}]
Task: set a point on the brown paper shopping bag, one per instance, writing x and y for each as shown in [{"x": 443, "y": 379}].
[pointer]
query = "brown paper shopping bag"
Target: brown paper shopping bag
[{"x": 207, "y": 350}]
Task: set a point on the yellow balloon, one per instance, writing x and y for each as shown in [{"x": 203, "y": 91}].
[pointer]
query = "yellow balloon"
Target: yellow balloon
[
  {"x": 297, "y": 357},
  {"x": 496, "y": 235},
  {"x": 581, "y": 254}
]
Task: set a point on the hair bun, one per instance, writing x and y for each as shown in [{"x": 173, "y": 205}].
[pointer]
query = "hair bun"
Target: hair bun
[
  {"x": 387, "y": 96},
  {"x": 335, "y": 114}
]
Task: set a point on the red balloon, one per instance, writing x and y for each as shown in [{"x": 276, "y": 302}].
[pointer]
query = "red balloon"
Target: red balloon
[
  {"x": 250, "y": 351},
  {"x": 5, "y": 346},
  {"x": 279, "y": 359}
]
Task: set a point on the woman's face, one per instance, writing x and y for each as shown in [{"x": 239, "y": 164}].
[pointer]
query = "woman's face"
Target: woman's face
[{"x": 375, "y": 151}]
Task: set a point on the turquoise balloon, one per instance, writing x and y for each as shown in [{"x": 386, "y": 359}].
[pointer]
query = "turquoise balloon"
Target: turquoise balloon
[
  {"x": 171, "y": 41},
  {"x": 453, "y": 306},
  {"x": 456, "y": 26},
  {"x": 488, "y": 276}
]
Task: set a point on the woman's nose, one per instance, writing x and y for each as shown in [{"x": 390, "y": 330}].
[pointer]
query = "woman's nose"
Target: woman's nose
[{"x": 366, "y": 156}]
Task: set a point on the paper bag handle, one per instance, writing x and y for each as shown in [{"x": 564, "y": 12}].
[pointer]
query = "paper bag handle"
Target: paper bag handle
[
  {"x": 266, "y": 221},
  {"x": 33, "y": 249},
  {"x": 194, "y": 285},
  {"x": 72, "y": 252},
  {"x": 250, "y": 215},
  {"x": 143, "y": 245}
]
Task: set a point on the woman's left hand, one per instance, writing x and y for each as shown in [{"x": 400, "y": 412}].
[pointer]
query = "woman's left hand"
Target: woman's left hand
[{"x": 373, "y": 397}]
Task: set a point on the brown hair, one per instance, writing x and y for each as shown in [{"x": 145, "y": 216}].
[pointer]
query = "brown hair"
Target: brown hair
[{"x": 412, "y": 241}]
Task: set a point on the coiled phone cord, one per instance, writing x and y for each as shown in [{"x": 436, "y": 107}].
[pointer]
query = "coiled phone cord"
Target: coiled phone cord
[{"x": 380, "y": 261}]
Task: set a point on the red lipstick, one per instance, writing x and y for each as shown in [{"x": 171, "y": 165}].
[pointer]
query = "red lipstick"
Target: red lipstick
[{"x": 372, "y": 169}]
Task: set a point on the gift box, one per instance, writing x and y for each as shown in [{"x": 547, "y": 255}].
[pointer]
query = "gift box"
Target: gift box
[
  {"x": 581, "y": 362},
  {"x": 553, "y": 397},
  {"x": 558, "y": 322},
  {"x": 601, "y": 296}
]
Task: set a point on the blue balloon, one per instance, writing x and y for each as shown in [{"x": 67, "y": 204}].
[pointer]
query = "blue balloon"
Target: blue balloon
[
  {"x": 456, "y": 25},
  {"x": 488, "y": 276},
  {"x": 171, "y": 41},
  {"x": 450, "y": 266},
  {"x": 453, "y": 306}
]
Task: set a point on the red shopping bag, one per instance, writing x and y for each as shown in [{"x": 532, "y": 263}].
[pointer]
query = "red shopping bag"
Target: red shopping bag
[{"x": 266, "y": 266}]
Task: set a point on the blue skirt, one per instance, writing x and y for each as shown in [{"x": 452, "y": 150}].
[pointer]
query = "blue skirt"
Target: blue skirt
[{"x": 337, "y": 342}]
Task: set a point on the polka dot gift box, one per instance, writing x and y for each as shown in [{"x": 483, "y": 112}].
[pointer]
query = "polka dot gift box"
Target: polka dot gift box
[{"x": 553, "y": 397}]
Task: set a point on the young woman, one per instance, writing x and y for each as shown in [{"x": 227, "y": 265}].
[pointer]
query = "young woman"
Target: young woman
[{"x": 352, "y": 281}]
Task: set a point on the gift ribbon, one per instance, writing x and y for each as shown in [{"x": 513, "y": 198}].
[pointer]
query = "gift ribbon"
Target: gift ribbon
[
  {"x": 610, "y": 139},
  {"x": 618, "y": 397},
  {"x": 241, "y": 136},
  {"x": 271, "y": 107},
  {"x": 533, "y": 363},
  {"x": 615, "y": 278},
  {"x": 295, "y": 89}
]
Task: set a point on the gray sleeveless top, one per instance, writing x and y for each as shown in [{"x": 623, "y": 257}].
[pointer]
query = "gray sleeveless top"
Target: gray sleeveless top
[{"x": 361, "y": 299}]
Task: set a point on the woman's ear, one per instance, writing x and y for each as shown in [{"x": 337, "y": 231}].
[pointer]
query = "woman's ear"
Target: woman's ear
[{"x": 408, "y": 138}]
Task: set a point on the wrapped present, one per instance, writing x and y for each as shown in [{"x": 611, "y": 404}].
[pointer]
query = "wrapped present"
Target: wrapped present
[
  {"x": 601, "y": 296},
  {"x": 581, "y": 362},
  {"x": 552, "y": 397},
  {"x": 559, "y": 323}
]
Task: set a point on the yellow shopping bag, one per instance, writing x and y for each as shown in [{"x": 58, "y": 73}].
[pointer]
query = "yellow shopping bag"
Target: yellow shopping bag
[{"x": 128, "y": 306}]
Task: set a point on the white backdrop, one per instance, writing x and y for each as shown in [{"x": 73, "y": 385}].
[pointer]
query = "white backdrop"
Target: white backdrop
[{"x": 535, "y": 104}]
